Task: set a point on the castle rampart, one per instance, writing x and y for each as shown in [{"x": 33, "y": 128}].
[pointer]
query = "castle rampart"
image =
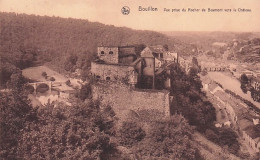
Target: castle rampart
[{"x": 122, "y": 98}]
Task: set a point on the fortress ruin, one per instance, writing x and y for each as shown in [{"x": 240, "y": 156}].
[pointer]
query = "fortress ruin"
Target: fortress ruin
[{"x": 126, "y": 81}]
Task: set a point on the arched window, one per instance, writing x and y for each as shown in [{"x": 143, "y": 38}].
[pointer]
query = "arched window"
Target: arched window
[
  {"x": 102, "y": 52},
  {"x": 110, "y": 52}
]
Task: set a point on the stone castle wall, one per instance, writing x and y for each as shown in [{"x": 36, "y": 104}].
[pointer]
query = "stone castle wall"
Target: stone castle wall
[
  {"x": 111, "y": 71},
  {"x": 123, "y": 98}
]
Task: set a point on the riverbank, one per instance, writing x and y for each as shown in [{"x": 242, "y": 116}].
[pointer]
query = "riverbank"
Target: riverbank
[{"x": 232, "y": 84}]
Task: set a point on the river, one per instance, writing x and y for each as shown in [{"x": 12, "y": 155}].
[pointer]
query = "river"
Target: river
[{"x": 232, "y": 84}]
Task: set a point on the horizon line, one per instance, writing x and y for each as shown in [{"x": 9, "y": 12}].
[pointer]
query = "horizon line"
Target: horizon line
[{"x": 118, "y": 26}]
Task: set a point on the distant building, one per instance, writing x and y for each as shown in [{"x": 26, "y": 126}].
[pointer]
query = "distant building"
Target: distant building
[
  {"x": 233, "y": 107},
  {"x": 171, "y": 56},
  {"x": 219, "y": 44}
]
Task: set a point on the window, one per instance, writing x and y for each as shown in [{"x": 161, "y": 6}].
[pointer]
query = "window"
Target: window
[
  {"x": 98, "y": 77},
  {"x": 102, "y": 52},
  {"x": 161, "y": 55},
  {"x": 111, "y": 52},
  {"x": 108, "y": 78}
]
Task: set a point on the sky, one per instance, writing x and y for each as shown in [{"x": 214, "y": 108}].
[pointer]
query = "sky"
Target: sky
[{"x": 109, "y": 12}]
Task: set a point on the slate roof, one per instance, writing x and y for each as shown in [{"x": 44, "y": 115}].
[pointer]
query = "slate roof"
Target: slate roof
[{"x": 126, "y": 51}]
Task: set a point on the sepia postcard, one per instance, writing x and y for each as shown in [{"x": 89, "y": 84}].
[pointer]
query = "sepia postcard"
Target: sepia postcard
[{"x": 130, "y": 79}]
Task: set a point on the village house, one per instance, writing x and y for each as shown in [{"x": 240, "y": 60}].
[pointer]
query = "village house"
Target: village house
[
  {"x": 235, "y": 108},
  {"x": 251, "y": 134},
  {"x": 240, "y": 118},
  {"x": 185, "y": 63},
  {"x": 170, "y": 57}
]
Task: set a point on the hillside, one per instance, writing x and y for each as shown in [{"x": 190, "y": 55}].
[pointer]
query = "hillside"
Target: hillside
[
  {"x": 247, "y": 50},
  {"x": 54, "y": 39}
]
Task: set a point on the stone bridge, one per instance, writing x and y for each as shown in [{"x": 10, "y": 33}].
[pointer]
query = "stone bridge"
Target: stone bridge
[
  {"x": 49, "y": 83},
  {"x": 215, "y": 69}
]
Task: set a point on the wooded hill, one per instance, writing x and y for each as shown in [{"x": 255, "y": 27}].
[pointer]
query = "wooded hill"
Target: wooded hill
[{"x": 54, "y": 39}]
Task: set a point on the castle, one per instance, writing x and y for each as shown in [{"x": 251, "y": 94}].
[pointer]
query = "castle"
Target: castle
[{"x": 138, "y": 72}]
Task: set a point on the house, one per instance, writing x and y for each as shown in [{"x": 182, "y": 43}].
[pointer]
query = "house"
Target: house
[
  {"x": 233, "y": 107},
  {"x": 251, "y": 135},
  {"x": 214, "y": 87},
  {"x": 170, "y": 57},
  {"x": 185, "y": 63}
]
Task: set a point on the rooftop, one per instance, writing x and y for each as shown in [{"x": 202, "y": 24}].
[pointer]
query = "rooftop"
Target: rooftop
[{"x": 253, "y": 131}]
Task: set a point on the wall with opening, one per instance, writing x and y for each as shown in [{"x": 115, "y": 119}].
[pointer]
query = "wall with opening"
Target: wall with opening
[
  {"x": 108, "y": 54},
  {"x": 114, "y": 72}
]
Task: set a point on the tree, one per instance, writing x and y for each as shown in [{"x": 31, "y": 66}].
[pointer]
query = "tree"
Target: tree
[
  {"x": 44, "y": 74},
  {"x": 166, "y": 47},
  {"x": 84, "y": 92},
  {"x": 15, "y": 111},
  {"x": 189, "y": 100},
  {"x": 6, "y": 70},
  {"x": 130, "y": 133},
  {"x": 194, "y": 70},
  {"x": 52, "y": 79},
  {"x": 167, "y": 139},
  {"x": 204, "y": 72},
  {"x": 255, "y": 94},
  {"x": 243, "y": 88},
  {"x": 224, "y": 137},
  {"x": 244, "y": 79},
  {"x": 70, "y": 63},
  {"x": 195, "y": 61},
  {"x": 76, "y": 132},
  {"x": 244, "y": 83},
  {"x": 16, "y": 81}
]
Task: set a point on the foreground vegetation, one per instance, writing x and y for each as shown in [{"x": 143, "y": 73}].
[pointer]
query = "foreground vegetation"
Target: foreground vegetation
[{"x": 86, "y": 130}]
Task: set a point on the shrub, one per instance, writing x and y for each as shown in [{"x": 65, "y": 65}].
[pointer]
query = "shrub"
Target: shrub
[
  {"x": 131, "y": 133},
  {"x": 44, "y": 74},
  {"x": 68, "y": 83},
  {"x": 84, "y": 92},
  {"x": 29, "y": 89},
  {"x": 52, "y": 79}
]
